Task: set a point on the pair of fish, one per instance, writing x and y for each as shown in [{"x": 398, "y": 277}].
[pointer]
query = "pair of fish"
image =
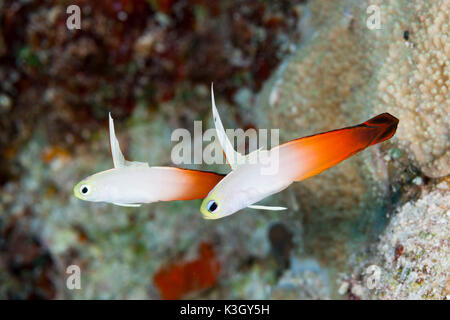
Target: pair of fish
[{"x": 132, "y": 183}]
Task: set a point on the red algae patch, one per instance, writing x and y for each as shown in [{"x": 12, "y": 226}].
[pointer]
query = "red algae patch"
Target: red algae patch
[{"x": 178, "y": 279}]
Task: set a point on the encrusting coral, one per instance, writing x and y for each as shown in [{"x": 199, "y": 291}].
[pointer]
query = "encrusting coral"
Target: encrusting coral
[
  {"x": 412, "y": 255},
  {"x": 414, "y": 250}
]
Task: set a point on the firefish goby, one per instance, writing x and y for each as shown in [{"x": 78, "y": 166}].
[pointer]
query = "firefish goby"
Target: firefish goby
[
  {"x": 295, "y": 160},
  {"x": 133, "y": 183}
]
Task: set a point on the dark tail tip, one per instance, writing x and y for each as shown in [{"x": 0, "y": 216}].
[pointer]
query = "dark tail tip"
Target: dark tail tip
[{"x": 387, "y": 124}]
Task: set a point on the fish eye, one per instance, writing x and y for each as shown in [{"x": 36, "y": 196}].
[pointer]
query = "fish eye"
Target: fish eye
[
  {"x": 84, "y": 189},
  {"x": 212, "y": 206}
]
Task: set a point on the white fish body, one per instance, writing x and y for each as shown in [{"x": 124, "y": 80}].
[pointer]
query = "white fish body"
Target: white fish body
[
  {"x": 247, "y": 168},
  {"x": 233, "y": 194},
  {"x": 249, "y": 181},
  {"x": 132, "y": 183},
  {"x": 130, "y": 186}
]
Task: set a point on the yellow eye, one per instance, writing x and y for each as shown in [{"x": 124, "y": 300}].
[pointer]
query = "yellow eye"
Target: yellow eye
[
  {"x": 212, "y": 206},
  {"x": 84, "y": 189}
]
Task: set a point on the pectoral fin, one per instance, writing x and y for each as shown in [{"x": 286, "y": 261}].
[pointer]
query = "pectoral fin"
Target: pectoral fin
[
  {"x": 117, "y": 156},
  {"x": 257, "y": 207},
  {"x": 127, "y": 204}
]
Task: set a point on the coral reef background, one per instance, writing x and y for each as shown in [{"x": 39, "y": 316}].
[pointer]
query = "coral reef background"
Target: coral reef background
[{"x": 301, "y": 66}]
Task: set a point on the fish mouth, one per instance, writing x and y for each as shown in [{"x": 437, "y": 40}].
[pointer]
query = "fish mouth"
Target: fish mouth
[
  {"x": 207, "y": 216},
  {"x": 76, "y": 193},
  {"x": 76, "y": 190},
  {"x": 211, "y": 218}
]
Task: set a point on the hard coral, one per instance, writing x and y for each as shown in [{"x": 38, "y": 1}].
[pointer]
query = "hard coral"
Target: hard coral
[
  {"x": 414, "y": 81},
  {"x": 348, "y": 71}
]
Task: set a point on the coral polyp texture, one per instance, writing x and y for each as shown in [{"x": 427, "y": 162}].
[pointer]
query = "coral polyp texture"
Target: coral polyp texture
[
  {"x": 414, "y": 81},
  {"x": 347, "y": 71}
]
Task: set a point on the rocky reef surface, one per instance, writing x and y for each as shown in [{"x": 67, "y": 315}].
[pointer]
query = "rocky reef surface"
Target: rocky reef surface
[
  {"x": 411, "y": 259},
  {"x": 303, "y": 67}
]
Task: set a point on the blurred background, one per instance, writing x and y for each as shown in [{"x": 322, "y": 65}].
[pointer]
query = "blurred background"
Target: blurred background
[{"x": 299, "y": 66}]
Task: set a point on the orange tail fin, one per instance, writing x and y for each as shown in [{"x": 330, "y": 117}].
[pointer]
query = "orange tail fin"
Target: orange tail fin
[
  {"x": 387, "y": 125},
  {"x": 321, "y": 151}
]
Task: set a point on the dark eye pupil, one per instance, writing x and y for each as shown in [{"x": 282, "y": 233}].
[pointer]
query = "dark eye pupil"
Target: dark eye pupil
[
  {"x": 84, "y": 190},
  {"x": 212, "y": 206}
]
